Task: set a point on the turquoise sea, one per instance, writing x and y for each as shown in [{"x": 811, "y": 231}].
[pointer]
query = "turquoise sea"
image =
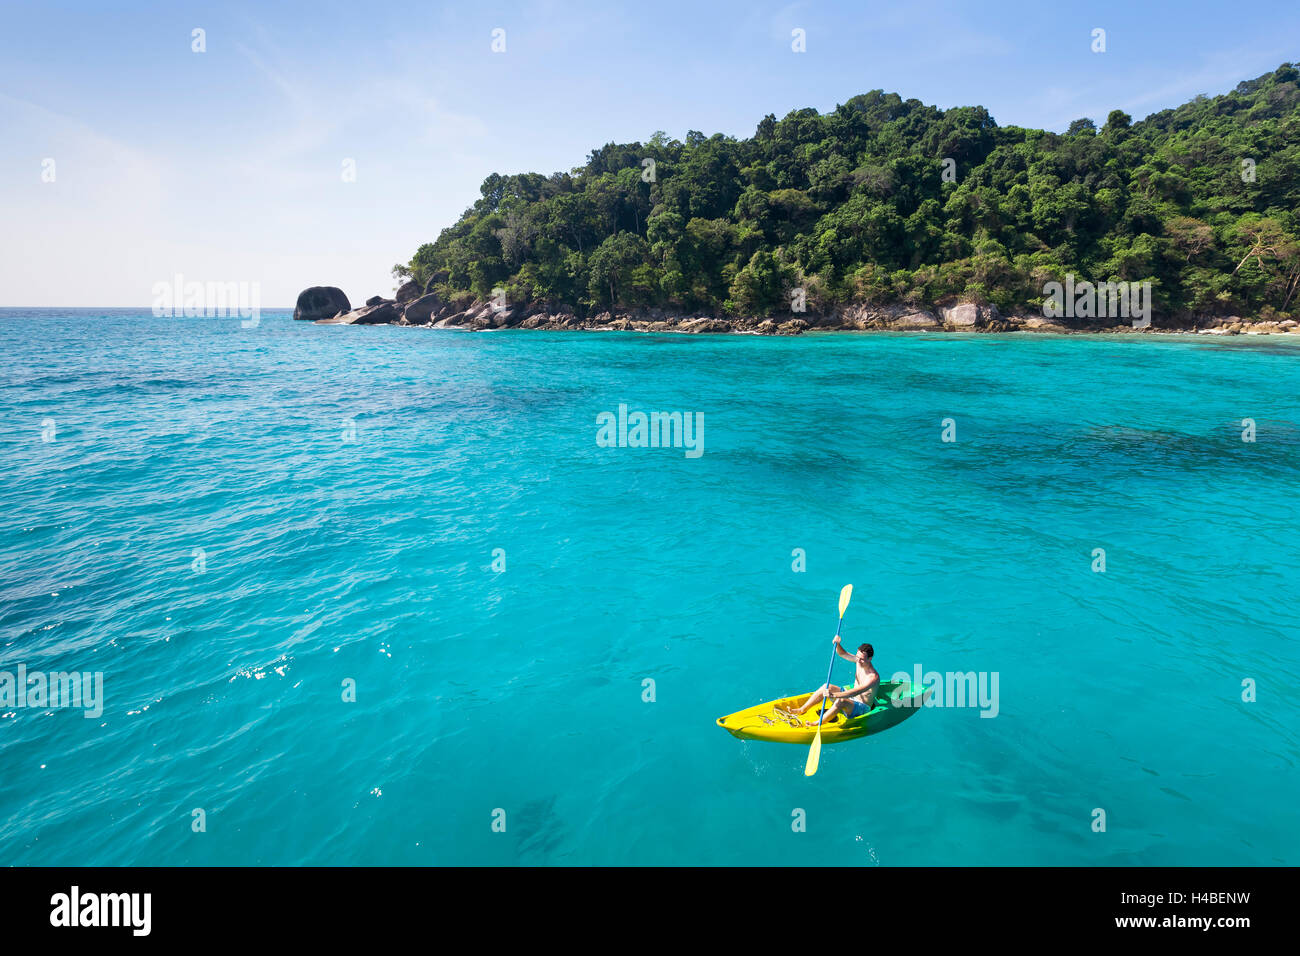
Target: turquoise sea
[{"x": 234, "y": 524}]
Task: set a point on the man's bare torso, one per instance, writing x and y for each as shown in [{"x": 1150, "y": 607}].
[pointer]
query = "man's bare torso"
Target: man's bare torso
[{"x": 864, "y": 673}]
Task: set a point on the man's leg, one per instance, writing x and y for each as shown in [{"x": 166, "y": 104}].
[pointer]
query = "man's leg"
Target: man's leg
[
  {"x": 816, "y": 698},
  {"x": 832, "y": 708}
]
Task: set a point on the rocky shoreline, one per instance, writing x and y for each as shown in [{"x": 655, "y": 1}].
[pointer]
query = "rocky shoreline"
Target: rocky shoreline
[{"x": 327, "y": 305}]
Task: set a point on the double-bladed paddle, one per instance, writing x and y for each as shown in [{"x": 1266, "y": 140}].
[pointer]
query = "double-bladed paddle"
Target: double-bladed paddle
[{"x": 815, "y": 754}]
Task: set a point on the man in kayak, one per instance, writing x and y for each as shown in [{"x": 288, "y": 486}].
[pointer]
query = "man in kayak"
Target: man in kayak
[{"x": 854, "y": 701}]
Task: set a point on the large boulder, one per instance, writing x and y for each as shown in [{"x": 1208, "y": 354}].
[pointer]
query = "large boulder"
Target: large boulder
[
  {"x": 704, "y": 325},
  {"x": 968, "y": 315},
  {"x": 863, "y": 317},
  {"x": 381, "y": 314},
  {"x": 963, "y": 316},
  {"x": 408, "y": 291},
  {"x": 1037, "y": 323},
  {"x": 321, "y": 302},
  {"x": 421, "y": 311},
  {"x": 488, "y": 316},
  {"x": 914, "y": 320},
  {"x": 512, "y": 316}
]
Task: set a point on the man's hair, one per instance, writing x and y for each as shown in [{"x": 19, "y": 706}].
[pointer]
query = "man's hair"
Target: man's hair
[{"x": 868, "y": 650}]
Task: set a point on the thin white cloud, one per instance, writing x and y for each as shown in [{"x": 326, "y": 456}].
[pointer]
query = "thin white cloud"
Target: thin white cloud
[{"x": 1218, "y": 73}]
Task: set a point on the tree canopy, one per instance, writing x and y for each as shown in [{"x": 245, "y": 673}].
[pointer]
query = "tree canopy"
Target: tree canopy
[{"x": 889, "y": 200}]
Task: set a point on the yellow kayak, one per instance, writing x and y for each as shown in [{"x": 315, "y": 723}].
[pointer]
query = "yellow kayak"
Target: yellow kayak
[{"x": 776, "y": 721}]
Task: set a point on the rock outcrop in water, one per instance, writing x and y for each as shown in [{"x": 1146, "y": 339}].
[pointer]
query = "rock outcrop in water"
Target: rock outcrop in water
[
  {"x": 422, "y": 310},
  {"x": 383, "y": 312},
  {"x": 321, "y": 302}
]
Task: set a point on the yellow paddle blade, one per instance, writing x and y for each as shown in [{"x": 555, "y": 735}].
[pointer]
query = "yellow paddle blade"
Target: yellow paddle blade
[
  {"x": 814, "y": 754},
  {"x": 845, "y": 594}
]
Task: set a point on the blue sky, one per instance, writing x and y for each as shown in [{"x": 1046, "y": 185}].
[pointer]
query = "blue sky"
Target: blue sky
[{"x": 226, "y": 165}]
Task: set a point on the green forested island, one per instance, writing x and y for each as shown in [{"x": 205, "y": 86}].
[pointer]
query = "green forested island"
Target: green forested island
[{"x": 886, "y": 200}]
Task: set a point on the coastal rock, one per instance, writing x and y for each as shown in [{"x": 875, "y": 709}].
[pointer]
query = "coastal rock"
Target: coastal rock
[
  {"x": 442, "y": 275},
  {"x": 421, "y": 311},
  {"x": 430, "y": 310},
  {"x": 457, "y": 318},
  {"x": 383, "y": 313},
  {"x": 512, "y": 316},
  {"x": 963, "y": 316},
  {"x": 320, "y": 302},
  {"x": 698, "y": 326},
  {"x": 862, "y": 318},
  {"x": 968, "y": 316},
  {"x": 491, "y": 317},
  {"x": 387, "y": 311},
  {"x": 409, "y": 291},
  {"x": 1038, "y": 323},
  {"x": 915, "y": 320}
]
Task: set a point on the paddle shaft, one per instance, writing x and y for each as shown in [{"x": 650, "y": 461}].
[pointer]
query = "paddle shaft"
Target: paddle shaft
[
  {"x": 815, "y": 751},
  {"x": 830, "y": 670}
]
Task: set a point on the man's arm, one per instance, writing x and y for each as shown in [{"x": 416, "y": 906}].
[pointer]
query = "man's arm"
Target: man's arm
[
  {"x": 839, "y": 649},
  {"x": 872, "y": 681}
]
